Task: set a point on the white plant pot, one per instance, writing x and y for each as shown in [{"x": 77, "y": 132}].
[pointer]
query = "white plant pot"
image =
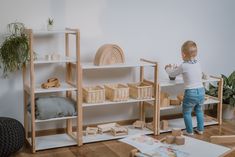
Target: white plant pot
[
  {"x": 50, "y": 27},
  {"x": 228, "y": 112}
]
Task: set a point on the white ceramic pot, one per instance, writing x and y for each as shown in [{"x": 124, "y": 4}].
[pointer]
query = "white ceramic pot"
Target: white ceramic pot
[
  {"x": 50, "y": 27},
  {"x": 228, "y": 112}
]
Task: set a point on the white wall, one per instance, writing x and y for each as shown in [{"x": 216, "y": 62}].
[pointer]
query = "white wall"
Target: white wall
[{"x": 154, "y": 29}]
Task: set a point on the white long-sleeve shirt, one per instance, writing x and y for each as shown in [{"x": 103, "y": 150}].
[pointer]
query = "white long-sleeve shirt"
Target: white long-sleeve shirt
[{"x": 192, "y": 74}]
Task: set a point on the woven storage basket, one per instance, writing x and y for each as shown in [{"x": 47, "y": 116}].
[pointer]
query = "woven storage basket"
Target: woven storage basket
[
  {"x": 117, "y": 92},
  {"x": 93, "y": 94},
  {"x": 141, "y": 90}
]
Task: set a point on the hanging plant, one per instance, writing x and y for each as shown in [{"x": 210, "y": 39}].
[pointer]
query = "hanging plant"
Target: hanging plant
[{"x": 14, "y": 51}]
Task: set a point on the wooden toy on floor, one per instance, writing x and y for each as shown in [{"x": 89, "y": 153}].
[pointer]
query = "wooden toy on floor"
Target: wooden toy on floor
[
  {"x": 175, "y": 137},
  {"x": 139, "y": 124},
  {"x": 119, "y": 130},
  {"x": 91, "y": 131},
  {"x": 52, "y": 82},
  {"x": 106, "y": 127},
  {"x": 109, "y": 54},
  {"x": 164, "y": 124}
]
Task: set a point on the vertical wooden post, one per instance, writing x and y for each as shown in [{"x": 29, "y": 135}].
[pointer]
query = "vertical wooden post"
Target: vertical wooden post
[
  {"x": 68, "y": 78},
  {"x": 141, "y": 104},
  {"x": 25, "y": 102},
  {"x": 32, "y": 91},
  {"x": 156, "y": 116},
  {"x": 79, "y": 92},
  {"x": 220, "y": 98}
]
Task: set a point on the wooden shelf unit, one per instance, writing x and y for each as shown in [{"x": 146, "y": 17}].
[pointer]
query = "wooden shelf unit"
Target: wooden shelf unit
[
  {"x": 31, "y": 89},
  {"x": 141, "y": 65},
  {"x": 178, "y": 123}
]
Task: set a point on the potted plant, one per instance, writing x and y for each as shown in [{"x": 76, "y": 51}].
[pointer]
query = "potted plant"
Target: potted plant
[
  {"x": 50, "y": 24},
  {"x": 228, "y": 95},
  {"x": 14, "y": 51}
]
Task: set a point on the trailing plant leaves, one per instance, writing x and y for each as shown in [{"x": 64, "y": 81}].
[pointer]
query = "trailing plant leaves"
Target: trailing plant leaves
[{"x": 14, "y": 52}]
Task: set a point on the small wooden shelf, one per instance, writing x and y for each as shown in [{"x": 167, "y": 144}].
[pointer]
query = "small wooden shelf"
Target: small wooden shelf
[
  {"x": 178, "y": 81},
  {"x": 63, "y": 87},
  {"x": 179, "y": 123},
  {"x": 62, "y": 60},
  {"x": 53, "y": 141},
  {"x": 107, "y": 102},
  {"x": 87, "y": 66},
  {"x": 55, "y": 119},
  {"x": 109, "y": 136},
  {"x": 52, "y": 32},
  {"x": 210, "y": 100}
]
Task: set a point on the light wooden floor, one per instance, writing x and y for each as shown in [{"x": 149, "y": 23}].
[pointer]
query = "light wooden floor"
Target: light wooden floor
[{"x": 118, "y": 149}]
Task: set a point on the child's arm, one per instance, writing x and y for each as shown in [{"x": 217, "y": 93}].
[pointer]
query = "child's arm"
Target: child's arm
[{"x": 173, "y": 72}]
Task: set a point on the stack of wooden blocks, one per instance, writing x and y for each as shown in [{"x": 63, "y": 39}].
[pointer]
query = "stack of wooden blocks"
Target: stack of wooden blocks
[{"x": 175, "y": 137}]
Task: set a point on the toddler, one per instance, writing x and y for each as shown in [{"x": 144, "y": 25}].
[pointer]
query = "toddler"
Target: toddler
[{"x": 194, "y": 93}]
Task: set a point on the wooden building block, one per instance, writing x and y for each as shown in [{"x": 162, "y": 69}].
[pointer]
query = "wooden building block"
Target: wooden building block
[
  {"x": 180, "y": 97},
  {"x": 149, "y": 125},
  {"x": 119, "y": 130},
  {"x": 91, "y": 131},
  {"x": 176, "y": 132},
  {"x": 170, "y": 139},
  {"x": 179, "y": 140},
  {"x": 164, "y": 124},
  {"x": 139, "y": 124},
  {"x": 164, "y": 99},
  {"x": 175, "y": 102},
  {"x": 106, "y": 127}
]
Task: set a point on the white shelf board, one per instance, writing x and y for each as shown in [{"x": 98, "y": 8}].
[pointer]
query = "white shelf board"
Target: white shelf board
[
  {"x": 52, "y": 32},
  {"x": 179, "y": 123},
  {"x": 53, "y": 141},
  {"x": 107, "y": 102},
  {"x": 62, "y": 60},
  {"x": 55, "y": 119},
  {"x": 109, "y": 136},
  {"x": 124, "y": 65},
  {"x": 178, "y": 81},
  {"x": 63, "y": 87},
  {"x": 210, "y": 100}
]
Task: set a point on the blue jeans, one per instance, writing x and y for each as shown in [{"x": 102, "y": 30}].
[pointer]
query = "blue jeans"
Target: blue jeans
[{"x": 193, "y": 99}]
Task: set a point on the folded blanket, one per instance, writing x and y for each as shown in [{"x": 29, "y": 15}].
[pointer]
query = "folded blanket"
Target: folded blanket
[{"x": 53, "y": 107}]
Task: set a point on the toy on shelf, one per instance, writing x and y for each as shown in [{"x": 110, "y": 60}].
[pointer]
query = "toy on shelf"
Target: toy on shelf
[
  {"x": 175, "y": 137},
  {"x": 141, "y": 90},
  {"x": 205, "y": 76},
  {"x": 180, "y": 97},
  {"x": 109, "y": 54},
  {"x": 93, "y": 94},
  {"x": 117, "y": 92},
  {"x": 119, "y": 131},
  {"x": 175, "y": 102},
  {"x": 91, "y": 131},
  {"x": 52, "y": 82},
  {"x": 164, "y": 125},
  {"x": 164, "y": 99},
  {"x": 139, "y": 124},
  {"x": 149, "y": 125},
  {"x": 102, "y": 128},
  {"x": 172, "y": 66},
  {"x": 54, "y": 56}
]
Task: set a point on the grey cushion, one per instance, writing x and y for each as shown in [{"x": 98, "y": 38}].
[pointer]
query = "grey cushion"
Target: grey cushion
[{"x": 53, "y": 107}]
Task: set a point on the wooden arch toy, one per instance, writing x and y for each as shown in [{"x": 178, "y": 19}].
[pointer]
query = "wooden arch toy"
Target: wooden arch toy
[{"x": 109, "y": 54}]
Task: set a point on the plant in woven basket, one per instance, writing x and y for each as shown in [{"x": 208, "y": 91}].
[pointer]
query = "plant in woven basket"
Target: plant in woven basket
[
  {"x": 14, "y": 51},
  {"x": 228, "y": 89}
]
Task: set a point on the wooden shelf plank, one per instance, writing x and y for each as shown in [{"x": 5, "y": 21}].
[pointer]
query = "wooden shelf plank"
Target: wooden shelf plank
[
  {"x": 62, "y": 60},
  {"x": 55, "y": 119},
  {"x": 64, "y": 87},
  {"x": 87, "y": 66},
  {"x": 53, "y": 141},
  {"x": 107, "y": 102},
  {"x": 109, "y": 136},
  {"x": 179, "y": 123},
  {"x": 52, "y": 32}
]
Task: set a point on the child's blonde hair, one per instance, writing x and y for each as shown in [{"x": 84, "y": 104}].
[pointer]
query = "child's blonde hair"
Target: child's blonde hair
[{"x": 189, "y": 48}]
